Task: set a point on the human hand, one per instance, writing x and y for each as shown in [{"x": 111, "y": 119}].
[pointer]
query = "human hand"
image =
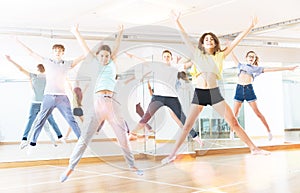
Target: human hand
[
  {"x": 121, "y": 28},
  {"x": 7, "y": 57},
  {"x": 174, "y": 16},
  {"x": 293, "y": 68},
  {"x": 74, "y": 29},
  {"x": 254, "y": 21}
]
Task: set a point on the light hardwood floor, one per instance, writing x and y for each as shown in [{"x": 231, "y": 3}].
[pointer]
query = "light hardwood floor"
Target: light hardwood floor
[{"x": 230, "y": 173}]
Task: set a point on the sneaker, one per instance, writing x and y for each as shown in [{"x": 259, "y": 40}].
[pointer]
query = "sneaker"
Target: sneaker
[
  {"x": 168, "y": 160},
  {"x": 270, "y": 136},
  {"x": 23, "y": 144},
  {"x": 64, "y": 176},
  {"x": 260, "y": 152},
  {"x": 137, "y": 171},
  {"x": 197, "y": 139},
  {"x": 231, "y": 135}
]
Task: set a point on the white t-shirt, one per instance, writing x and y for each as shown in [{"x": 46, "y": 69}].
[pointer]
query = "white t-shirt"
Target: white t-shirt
[
  {"x": 56, "y": 76},
  {"x": 161, "y": 77}
]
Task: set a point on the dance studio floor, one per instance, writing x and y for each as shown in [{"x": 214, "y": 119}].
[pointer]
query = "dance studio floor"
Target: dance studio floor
[{"x": 212, "y": 173}]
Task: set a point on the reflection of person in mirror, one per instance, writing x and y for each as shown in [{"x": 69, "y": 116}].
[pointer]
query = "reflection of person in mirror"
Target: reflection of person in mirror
[
  {"x": 106, "y": 106},
  {"x": 54, "y": 95},
  {"x": 163, "y": 96},
  {"x": 77, "y": 93},
  {"x": 209, "y": 58},
  {"x": 244, "y": 87},
  {"x": 38, "y": 82}
]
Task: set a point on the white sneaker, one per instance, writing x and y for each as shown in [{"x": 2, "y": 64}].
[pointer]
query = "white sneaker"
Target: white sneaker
[
  {"x": 23, "y": 144},
  {"x": 231, "y": 135},
  {"x": 197, "y": 139},
  {"x": 168, "y": 160},
  {"x": 270, "y": 136},
  {"x": 64, "y": 176},
  {"x": 137, "y": 171}
]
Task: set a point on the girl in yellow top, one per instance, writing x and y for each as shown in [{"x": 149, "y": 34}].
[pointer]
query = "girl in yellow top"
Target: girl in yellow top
[{"x": 208, "y": 58}]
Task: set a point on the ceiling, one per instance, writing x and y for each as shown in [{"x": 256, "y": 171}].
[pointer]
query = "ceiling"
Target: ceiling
[{"x": 279, "y": 21}]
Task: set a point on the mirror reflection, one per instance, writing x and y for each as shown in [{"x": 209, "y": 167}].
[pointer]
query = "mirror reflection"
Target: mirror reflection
[{"x": 17, "y": 89}]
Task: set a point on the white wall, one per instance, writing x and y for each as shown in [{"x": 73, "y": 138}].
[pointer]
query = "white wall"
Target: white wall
[
  {"x": 15, "y": 96},
  {"x": 269, "y": 92}
]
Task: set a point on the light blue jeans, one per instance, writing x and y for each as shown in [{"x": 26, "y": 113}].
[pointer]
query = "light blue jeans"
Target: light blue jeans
[
  {"x": 34, "y": 110},
  {"x": 62, "y": 103}
]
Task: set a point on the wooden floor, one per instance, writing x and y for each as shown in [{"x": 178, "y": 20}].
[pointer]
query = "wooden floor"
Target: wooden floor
[{"x": 243, "y": 172}]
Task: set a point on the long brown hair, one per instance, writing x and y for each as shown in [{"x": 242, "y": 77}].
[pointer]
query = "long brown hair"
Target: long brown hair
[
  {"x": 217, "y": 48},
  {"x": 78, "y": 94}
]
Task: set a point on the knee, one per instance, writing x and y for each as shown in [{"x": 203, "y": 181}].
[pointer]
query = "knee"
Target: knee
[
  {"x": 234, "y": 123},
  {"x": 145, "y": 118},
  {"x": 187, "y": 127}
]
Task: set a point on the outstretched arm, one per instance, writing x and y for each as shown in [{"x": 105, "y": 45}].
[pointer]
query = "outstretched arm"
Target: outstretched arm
[
  {"x": 117, "y": 43},
  {"x": 29, "y": 51},
  {"x": 239, "y": 38},
  {"x": 80, "y": 40},
  {"x": 188, "y": 64},
  {"x": 85, "y": 88},
  {"x": 236, "y": 61},
  {"x": 185, "y": 37},
  {"x": 17, "y": 65},
  {"x": 275, "y": 69},
  {"x": 134, "y": 56},
  {"x": 70, "y": 85},
  {"x": 150, "y": 88},
  {"x": 82, "y": 44}
]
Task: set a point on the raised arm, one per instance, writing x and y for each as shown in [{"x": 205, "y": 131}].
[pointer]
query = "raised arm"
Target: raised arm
[
  {"x": 17, "y": 65},
  {"x": 29, "y": 51},
  {"x": 150, "y": 88},
  {"x": 134, "y": 56},
  {"x": 239, "y": 38},
  {"x": 117, "y": 43},
  {"x": 184, "y": 35},
  {"x": 188, "y": 64},
  {"x": 82, "y": 43},
  {"x": 80, "y": 40},
  {"x": 184, "y": 63},
  {"x": 235, "y": 60},
  {"x": 85, "y": 88},
  {"x": 275, "y": 69}
]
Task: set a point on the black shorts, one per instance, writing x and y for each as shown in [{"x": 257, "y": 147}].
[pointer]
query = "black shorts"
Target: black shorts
[
  {"x": 206, "y": 97},
  {"x": 77, "y": 112}
]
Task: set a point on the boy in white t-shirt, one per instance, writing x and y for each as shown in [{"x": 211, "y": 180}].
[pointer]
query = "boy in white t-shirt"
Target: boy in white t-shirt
[
  {"x": 165, "y": 94},
  {"x": 54, "y": 94}
]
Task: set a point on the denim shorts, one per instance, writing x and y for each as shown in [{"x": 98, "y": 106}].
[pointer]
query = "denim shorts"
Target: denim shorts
[
  {"x": 78, "y": 112},
  {"x": 244, "y": 92}
]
